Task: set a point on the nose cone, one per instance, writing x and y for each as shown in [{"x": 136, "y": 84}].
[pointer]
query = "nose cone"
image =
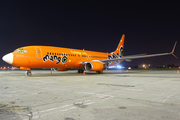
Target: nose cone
[{"x": 8, "y": 58}]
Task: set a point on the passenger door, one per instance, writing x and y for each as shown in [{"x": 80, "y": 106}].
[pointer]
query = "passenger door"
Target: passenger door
[{"x": 38, "y": 53}]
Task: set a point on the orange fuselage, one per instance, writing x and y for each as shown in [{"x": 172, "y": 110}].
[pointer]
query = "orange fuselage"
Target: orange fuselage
[{"x": 53, "y": 57}]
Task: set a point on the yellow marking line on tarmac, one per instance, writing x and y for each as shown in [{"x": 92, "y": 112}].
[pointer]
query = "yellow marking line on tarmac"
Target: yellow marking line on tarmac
[
  {"x": 5, "y": 103},
  {"x": 15, "y": 108}
]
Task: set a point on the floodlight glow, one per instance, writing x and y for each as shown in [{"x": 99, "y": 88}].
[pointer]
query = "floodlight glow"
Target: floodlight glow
[
  {"x": 119, "y": 66},
  {"x": 116, "y": 66}
]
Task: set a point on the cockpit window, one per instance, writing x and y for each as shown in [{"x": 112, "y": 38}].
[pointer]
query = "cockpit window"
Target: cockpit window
[
  {"x": 20, "y": 51},
  {"x": 16, "y": 51}
]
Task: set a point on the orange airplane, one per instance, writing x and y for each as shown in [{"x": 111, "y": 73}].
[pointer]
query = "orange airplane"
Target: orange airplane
[{"x": 65, "y": 58}]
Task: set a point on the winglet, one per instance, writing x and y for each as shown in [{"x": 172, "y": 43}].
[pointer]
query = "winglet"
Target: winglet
[{"x": 174, "y": 49}]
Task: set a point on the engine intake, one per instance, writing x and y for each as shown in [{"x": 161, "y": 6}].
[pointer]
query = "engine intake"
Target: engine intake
[{"x": 94, "y": 66}]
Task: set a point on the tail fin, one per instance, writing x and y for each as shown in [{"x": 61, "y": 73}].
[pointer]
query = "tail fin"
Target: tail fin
[{"x": 120, "y": 47}]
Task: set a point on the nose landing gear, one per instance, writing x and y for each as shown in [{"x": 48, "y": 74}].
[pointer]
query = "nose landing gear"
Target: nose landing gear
[{"x": 28, "y": 73}]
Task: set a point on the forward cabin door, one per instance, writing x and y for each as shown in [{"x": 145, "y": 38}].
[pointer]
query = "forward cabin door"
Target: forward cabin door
[{"x": 38, "y": 53}]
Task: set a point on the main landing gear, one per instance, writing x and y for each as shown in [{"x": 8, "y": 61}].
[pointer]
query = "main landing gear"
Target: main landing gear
[
  {"x": 80, "y": 70},
  {"x": 28, "y": 73},
  {"x": 99, "y": 72}
]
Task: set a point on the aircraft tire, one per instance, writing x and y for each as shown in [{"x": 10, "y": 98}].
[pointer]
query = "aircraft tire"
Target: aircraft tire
[
  {"x": 99, "y": 72},
  {"x": 80, "y": 71},
  {"x": 28, "y": 73}
]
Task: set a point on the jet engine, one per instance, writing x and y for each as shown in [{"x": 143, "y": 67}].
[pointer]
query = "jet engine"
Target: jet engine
[{"x": 94, "y": 66}]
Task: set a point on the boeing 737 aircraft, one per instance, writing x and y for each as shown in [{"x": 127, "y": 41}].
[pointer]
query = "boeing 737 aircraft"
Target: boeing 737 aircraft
[{"x": 65, "y": 58}]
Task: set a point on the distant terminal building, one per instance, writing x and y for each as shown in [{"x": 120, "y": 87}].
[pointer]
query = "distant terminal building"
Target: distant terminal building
[{"x": 9, "y": 68}]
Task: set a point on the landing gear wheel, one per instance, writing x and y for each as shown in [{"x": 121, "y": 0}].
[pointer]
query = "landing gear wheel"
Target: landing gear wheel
[
  {"x": 28, "y": 73},
  {"x": 99, "y": 72},
  {"x": 80, "y": 71}
]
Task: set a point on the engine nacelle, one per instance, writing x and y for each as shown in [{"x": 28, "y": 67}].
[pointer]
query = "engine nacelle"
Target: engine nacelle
[{"x": 94, "y": 66}]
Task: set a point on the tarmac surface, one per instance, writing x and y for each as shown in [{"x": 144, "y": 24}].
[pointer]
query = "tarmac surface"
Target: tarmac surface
[{"x": 113, "y": 95}]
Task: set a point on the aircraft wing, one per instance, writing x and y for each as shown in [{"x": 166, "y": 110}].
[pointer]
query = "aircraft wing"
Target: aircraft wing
[{"x": 127, "y": 58}]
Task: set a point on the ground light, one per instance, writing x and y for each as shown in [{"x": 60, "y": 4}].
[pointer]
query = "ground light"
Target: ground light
[
  {"x": 116, "y": 67},
  {"x": 144, "y": 66}
]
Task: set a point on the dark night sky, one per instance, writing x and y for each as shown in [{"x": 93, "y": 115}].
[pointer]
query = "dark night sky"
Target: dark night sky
[{"x": 98, "y": 26}]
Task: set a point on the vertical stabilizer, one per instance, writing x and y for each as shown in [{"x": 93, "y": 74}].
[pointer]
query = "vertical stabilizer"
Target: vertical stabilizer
[{"x": 120, "y": 47}]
